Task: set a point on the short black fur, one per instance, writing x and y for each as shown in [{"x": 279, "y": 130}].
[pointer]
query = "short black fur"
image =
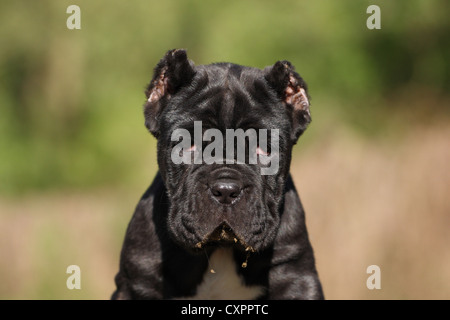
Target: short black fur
[{"x": 171, "y": 234}]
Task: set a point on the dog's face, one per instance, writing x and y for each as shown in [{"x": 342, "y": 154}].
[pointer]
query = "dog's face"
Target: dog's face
[{"x": 216, "y": 197}]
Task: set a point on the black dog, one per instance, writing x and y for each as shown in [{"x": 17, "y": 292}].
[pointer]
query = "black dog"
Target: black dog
[{"x": 221, "y": 230}]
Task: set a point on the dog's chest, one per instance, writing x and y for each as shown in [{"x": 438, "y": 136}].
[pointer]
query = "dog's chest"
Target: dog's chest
[{"x": 224, "y": 282}]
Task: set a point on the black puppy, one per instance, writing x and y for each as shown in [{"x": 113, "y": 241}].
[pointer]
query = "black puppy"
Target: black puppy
[{"x": 222, "y": 229}]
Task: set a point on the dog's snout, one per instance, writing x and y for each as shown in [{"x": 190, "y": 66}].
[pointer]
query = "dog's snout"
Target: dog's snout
[{"x": 226, "y": 191}]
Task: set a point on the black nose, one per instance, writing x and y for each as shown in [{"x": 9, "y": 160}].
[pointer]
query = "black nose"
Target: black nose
[{"x": 225, "y": 191}]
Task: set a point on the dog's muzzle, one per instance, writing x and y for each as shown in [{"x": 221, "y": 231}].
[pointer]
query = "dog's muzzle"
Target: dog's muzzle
[
  {"x": 226, "y": 191},
  {"x": 225, "y": 186}
]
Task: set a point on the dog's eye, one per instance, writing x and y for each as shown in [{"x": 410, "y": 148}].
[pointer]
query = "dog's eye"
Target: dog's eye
[
  {"x": 261, "y": 151},
  {"x": 187, "y": 154},
  {"x": 193, "y": 148}
]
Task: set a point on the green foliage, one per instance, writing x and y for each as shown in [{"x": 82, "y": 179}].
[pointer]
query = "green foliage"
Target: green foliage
[{"x": 71, "y": 100}]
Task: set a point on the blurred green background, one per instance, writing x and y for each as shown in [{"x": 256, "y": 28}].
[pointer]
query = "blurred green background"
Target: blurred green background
[{"x": 372, "y": 169}]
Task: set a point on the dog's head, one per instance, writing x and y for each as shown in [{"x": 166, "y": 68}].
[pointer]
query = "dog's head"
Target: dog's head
[{"x": 225, "y": 134}]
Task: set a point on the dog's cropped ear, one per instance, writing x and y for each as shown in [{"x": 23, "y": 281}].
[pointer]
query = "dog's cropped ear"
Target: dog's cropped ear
[
  {"x": 292, "y": 90},
  {"x": 172, "y": 72}
]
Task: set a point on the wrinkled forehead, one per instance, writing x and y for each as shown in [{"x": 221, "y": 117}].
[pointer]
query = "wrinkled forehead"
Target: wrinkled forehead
[
  {"x": 227, "y": 96},
  {"x": 227, "y": 73}
]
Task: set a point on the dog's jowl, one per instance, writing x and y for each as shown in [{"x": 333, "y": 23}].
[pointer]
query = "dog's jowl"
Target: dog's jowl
[{"x": 220, "y": 227}]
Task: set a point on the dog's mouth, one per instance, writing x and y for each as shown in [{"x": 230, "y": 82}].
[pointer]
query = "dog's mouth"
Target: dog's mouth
[{"x": 224, "y": 235}]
